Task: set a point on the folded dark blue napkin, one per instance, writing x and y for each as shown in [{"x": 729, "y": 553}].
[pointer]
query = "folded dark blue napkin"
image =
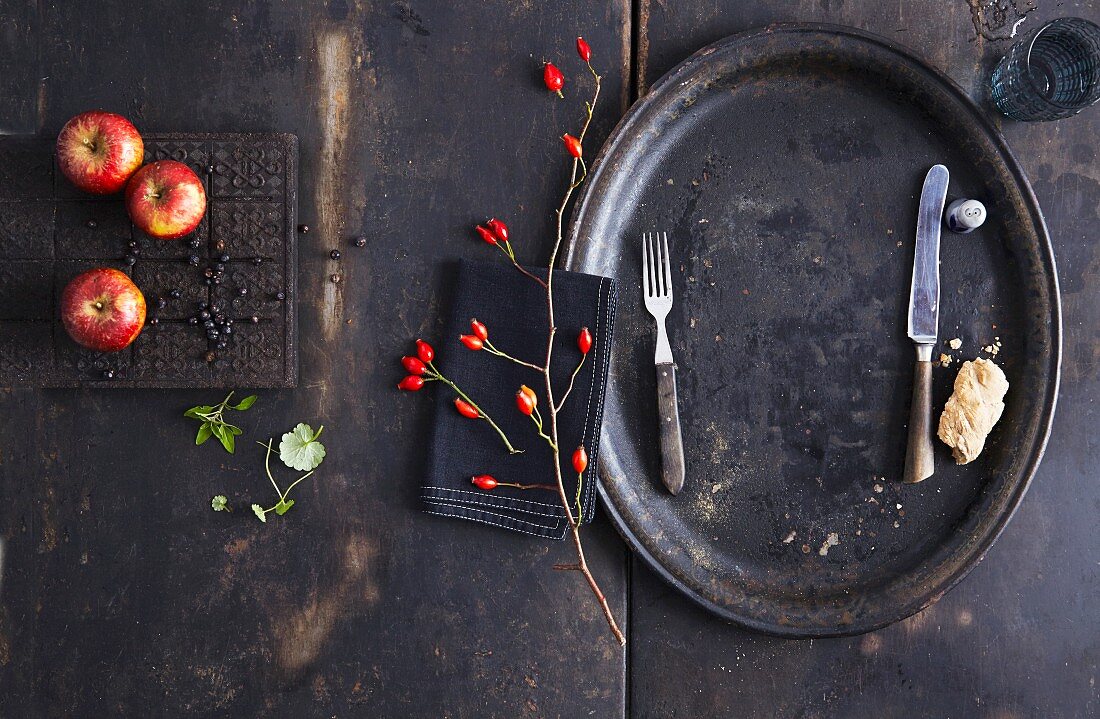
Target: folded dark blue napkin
[{"x": 513, "y": 307}]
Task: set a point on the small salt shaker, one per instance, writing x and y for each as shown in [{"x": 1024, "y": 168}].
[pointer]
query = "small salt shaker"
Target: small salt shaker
[{"x": 965, "y": 216}]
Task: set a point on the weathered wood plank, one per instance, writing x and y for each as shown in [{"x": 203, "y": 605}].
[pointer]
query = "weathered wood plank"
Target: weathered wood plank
[
  {"x": 122, "y": 592},
  {"x": 1017, "y": 638},
  {"x": 19, "y": 76}
]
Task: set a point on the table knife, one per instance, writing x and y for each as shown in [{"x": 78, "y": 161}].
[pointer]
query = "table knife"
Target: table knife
[{"x": 924, "y": 314}]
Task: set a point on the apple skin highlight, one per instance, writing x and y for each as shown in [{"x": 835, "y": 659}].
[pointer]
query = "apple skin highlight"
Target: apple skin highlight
[
  {"x": 98, "y": 151},
  {"x": 103, "y": 310},
  {"x": 166, "y": 199}
]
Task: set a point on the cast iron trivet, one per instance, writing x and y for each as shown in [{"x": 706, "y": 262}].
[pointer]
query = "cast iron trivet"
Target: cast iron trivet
[{"x": 242, "y": 262}]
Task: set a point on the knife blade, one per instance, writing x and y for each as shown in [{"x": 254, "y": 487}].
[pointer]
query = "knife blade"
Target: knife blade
[{"x": 923, "y": 321}]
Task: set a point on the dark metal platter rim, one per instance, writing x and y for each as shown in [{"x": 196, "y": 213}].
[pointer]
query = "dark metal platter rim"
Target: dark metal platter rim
[{"x": 839, "y": 37}]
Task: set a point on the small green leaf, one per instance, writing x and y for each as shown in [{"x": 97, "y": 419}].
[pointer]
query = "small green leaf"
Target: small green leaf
[
  {"x": 196, "y": 412},
  {"x": 234, "y": 430},
  {"x": 299, "y": 448},
  {"x": 246, "y": 402},
  {"x": 282, "y": 507},
  {"x": 259, "y": 512},
  {"x": 218, "y": 503},
  {"x": 204, "y": 433},
  {"x": 224, "y": 436}
]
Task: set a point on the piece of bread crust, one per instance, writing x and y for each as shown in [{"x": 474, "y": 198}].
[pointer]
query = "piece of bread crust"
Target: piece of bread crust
[{"x": 973, "y": 409}]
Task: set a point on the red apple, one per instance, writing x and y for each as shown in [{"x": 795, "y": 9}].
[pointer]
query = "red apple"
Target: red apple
[
  {"x": 98, "y": 151},
  {"x": 165, "y": 199},
  {"x": 102, "y": 309}
]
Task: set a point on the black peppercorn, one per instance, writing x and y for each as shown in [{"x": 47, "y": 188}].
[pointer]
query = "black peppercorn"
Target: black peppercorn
[
  {"x": 210, "y": 356},
  {"x": 208, "y": 272},
  {"x": 242, "y": 291},
  {"x": 219, "y": 268},
  {"x": 175, "y": 294},
  {"x": 227, "y": 330},
  {"x": 195, "y": 242},
  {"x": 222, "y": 344},
  {"x": 224, "y": 258},
  {"x": 205, "y": 314},
  {"x": 303, "y": 229},
  {"x": 192, "y": 321},
  {"x": 210, "y": 169},
  {"x": 257, "y": 260},
  {"x": 92, "y": 224},
  {"x": 335, "y": 254},
  {"x": 334, "y": 278},
  {"x": 194, "y": 260},
  {"x": 217, "y": 279},
  {"x": 161, "y": 303},
  {"x": 220, "y": 319},
  {"x": 208, "y": 324},
  {"x": 360, "y": 241},
  {"x": 132, "y": 244},
  {"x": 108, "y": 374},
  {"x": 219, "y": 245},
  {"x": 255, "y": 320},
  {"x": 131, "y": 260},
  {"x": 280, "y": 296},
  {"x": 212, "y": 334}
]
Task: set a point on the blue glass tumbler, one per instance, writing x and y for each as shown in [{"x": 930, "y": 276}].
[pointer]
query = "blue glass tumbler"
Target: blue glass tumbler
[{"x": 1051, "y": 74}]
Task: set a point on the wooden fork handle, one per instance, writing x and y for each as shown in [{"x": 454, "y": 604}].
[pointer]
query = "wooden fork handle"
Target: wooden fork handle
[{"x": 672, "y": 444}]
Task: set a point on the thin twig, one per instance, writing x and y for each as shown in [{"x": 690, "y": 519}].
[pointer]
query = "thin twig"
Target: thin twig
[
  {"x": 488, "y": 346},
  {"x": 561, "y": 402}
]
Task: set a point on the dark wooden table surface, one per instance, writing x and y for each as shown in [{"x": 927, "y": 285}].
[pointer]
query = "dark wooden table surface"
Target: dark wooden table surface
[{"x": 123, "y": 594}]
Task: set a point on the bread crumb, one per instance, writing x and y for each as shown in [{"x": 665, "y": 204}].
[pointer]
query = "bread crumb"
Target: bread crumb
[
  {"x": 896, "y": 525},
  {"x": 878, "y": 488},
  {"x": 955, "y": 343},
  {"x": 831, "y": 540},
  {"x": 805, "y": 549},
  {"x": 714, "y": 488},
  {"x": 790, "y": 537},
  {"x": 945, "y": 360}
]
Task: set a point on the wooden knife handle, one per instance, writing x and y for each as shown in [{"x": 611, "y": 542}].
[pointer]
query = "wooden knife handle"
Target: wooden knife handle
[
  {"x": 919, "y": 460},
  {"x": 672, "y": 445}
]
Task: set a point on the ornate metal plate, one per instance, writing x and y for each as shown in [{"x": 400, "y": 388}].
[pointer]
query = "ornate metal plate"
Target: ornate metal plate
[
  {"x": 49, "y": 232},
  {"x": 786, "y": 165}
]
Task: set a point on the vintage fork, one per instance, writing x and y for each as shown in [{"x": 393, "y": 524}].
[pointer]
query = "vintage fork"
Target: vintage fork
[{"x": 657, "y": 286}]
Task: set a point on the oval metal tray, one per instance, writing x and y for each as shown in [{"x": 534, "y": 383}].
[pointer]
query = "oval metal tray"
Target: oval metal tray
[{"x": 786, "y": 166}]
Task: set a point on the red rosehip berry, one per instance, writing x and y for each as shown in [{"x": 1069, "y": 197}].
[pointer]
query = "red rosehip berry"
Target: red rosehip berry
[
  {"x": 466, "y": 409},
  {"x": 572, "y": 144},
  {"x": 479, "y": 329},
  {"x": 499, "y": 229},
  {"x": 413, "y": 365},
  {"x": 411, "y": 383},
  {"x": 483, "y": 233},
  {"x": 584, "y": 50},
  {"x": 584, "y": 341},
  {"x": 525, "y": 401},
  {"x": 424, "y": 351},
  {"x": 471, "y": 342},
  {"x": 553, "y": 78},
  {"x": 530, "y": 394},
  {"x": 484, "y": 481},
  {"x": 580, "y": 460}
]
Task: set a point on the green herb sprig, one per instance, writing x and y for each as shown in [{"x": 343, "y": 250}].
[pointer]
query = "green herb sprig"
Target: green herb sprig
[
  {"x": 285, "y": 503},
  {"x": 214, "y": 425}
]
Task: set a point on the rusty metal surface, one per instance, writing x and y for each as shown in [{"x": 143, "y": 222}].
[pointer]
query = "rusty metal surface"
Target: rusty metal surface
[
  {"x": 785, "y": 164},
  {"x": 50, "y": 232}
]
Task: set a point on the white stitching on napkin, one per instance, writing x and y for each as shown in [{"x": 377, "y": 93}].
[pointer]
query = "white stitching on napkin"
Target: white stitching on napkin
[
  {"x": 490, "y": 504},
  {"x": 499, "y": 498},
  {"x": 494, "y": 514}
]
